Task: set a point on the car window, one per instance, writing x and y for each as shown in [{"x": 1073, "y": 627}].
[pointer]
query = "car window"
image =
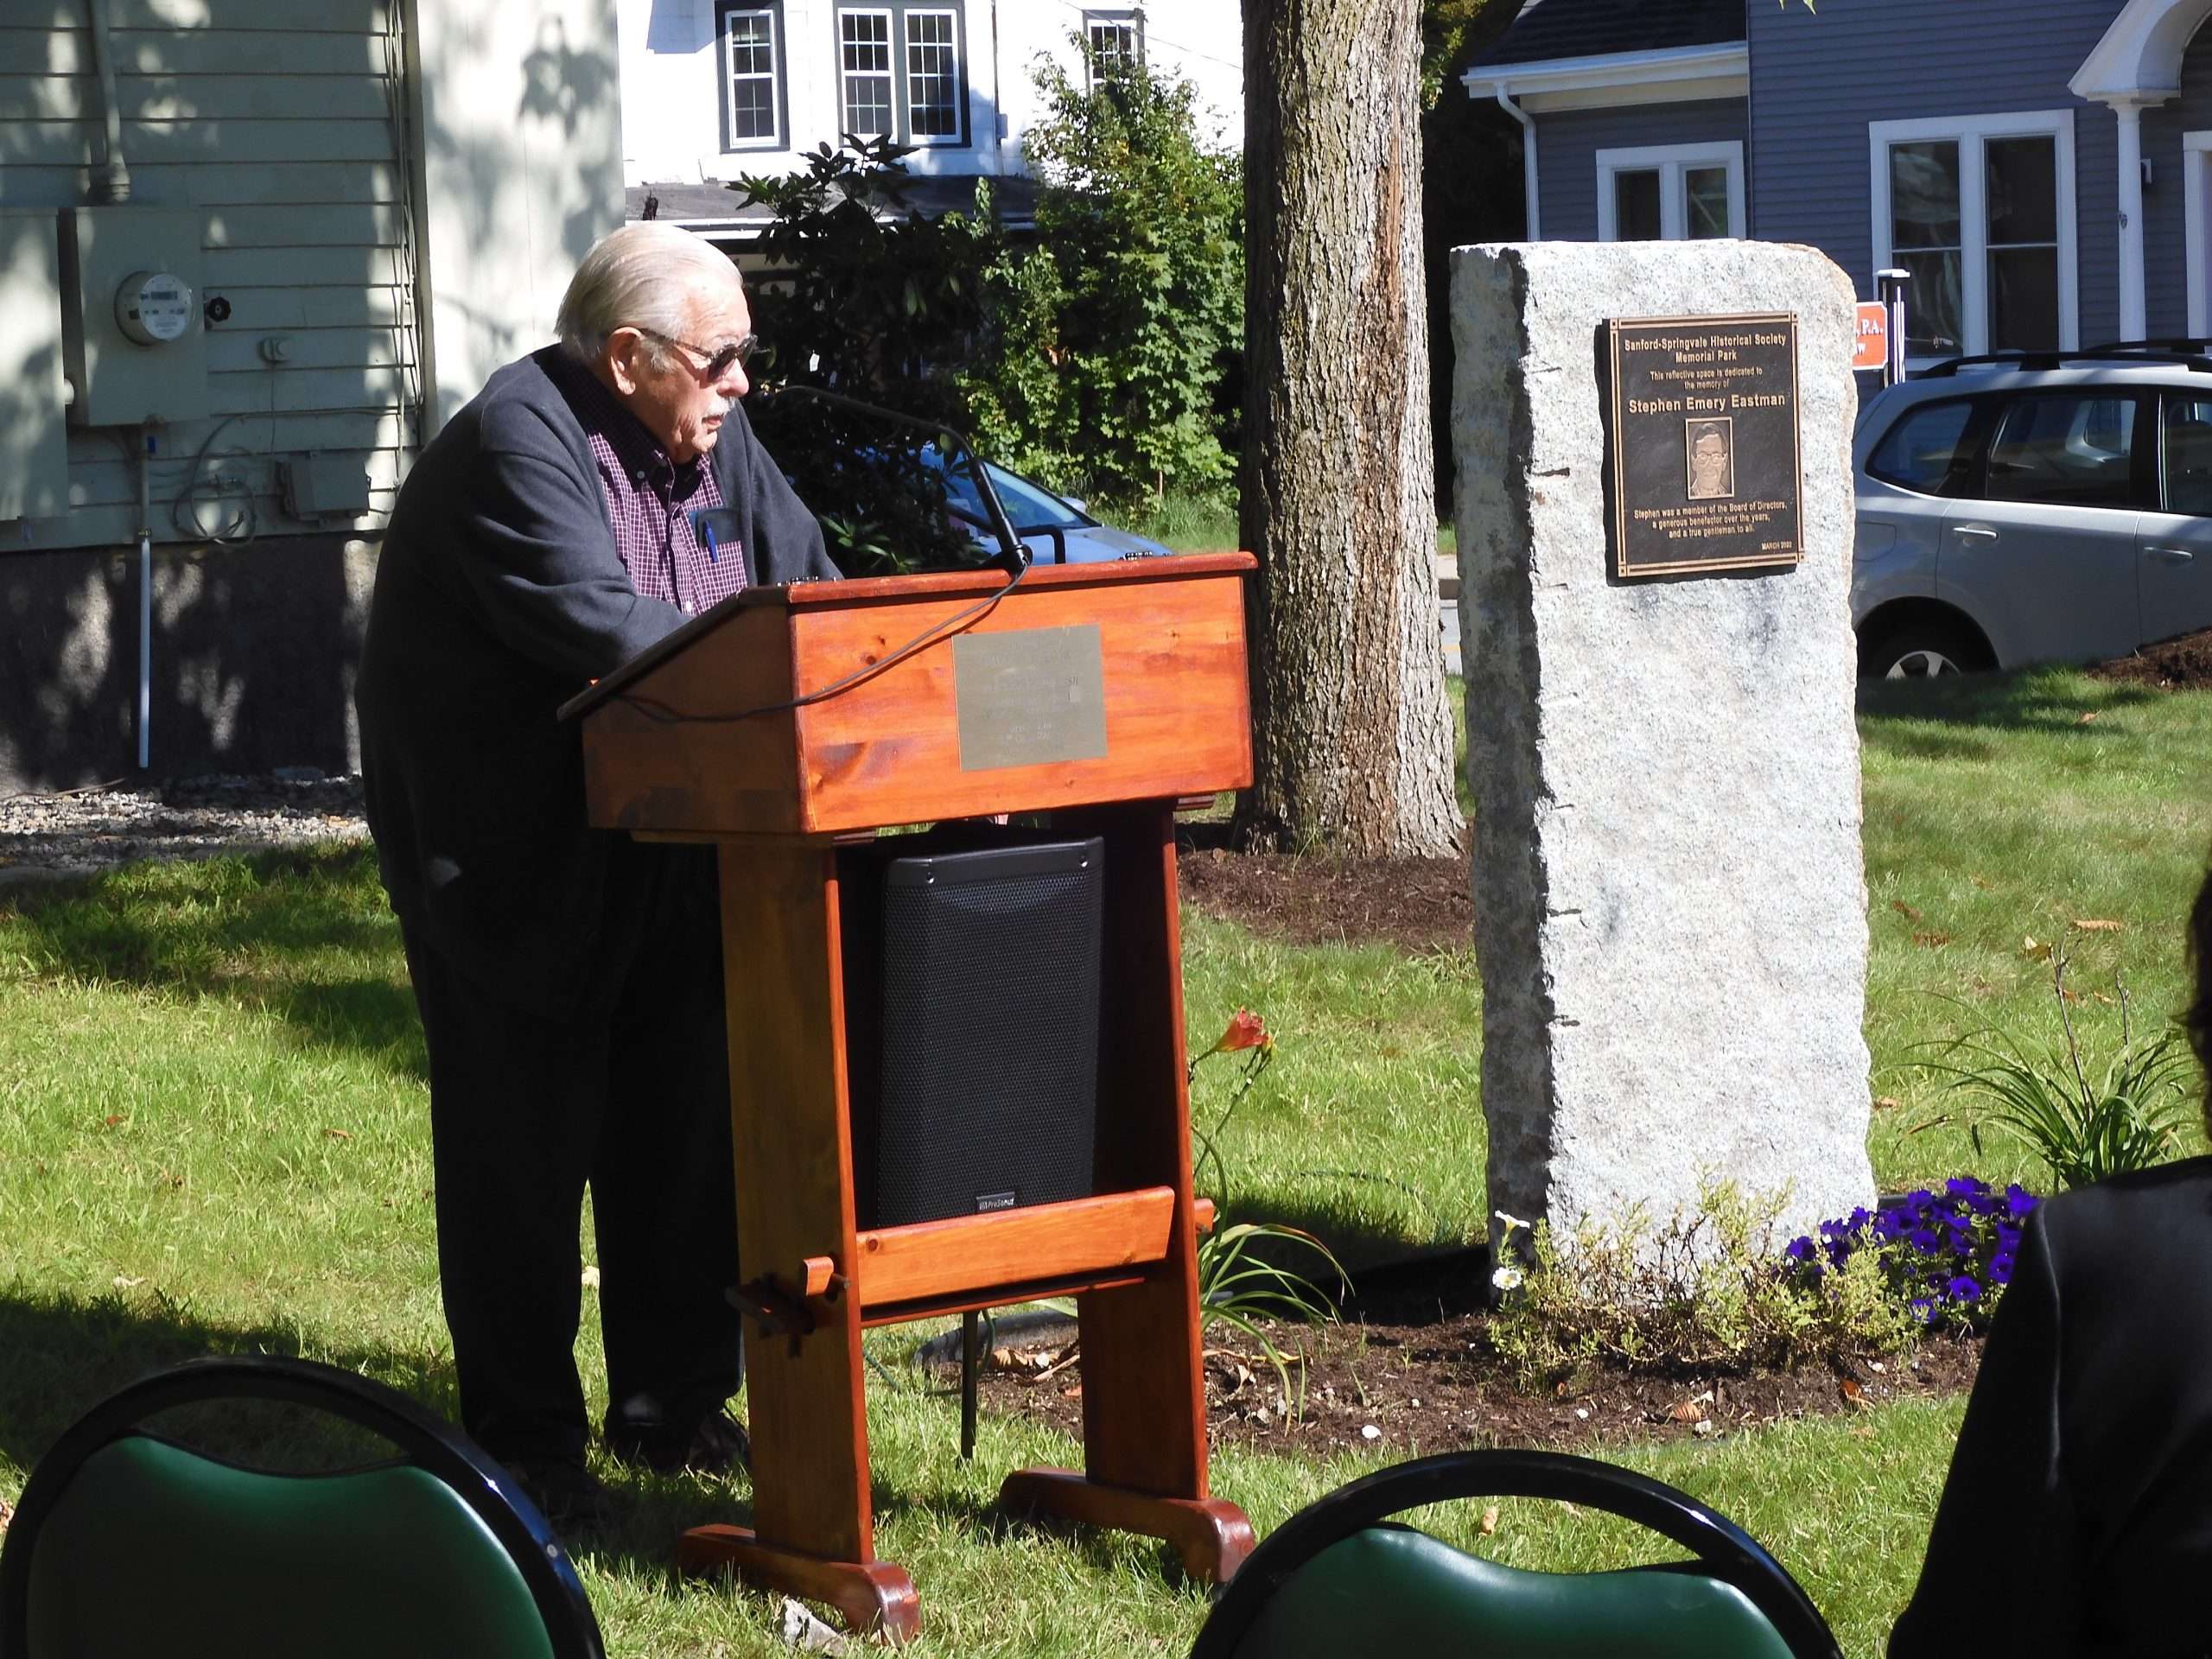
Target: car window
[
  {"x": 1926, "y": 447},
  {"x": 2185, "y": 455},
  {"x": 2067, "y": 448},
  {"x": 1028, "y": 507}
]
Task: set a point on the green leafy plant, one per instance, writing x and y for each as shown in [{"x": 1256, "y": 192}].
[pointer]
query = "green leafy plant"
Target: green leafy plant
[
  {"x": 1110, "y": 367},
  {"x": 1242, "y": 1281},
  {"x": 1707, "y": 1291},
  {"x": 2132, "y": 1115}
]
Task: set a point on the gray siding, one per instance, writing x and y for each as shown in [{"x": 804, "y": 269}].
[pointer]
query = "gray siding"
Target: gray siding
[
  {"x": 277, "y": 119},
  {"x": 2165, "y": 257},
  {"x": 1818, "y": 79},
  {"x": 1567, "y": 143}
]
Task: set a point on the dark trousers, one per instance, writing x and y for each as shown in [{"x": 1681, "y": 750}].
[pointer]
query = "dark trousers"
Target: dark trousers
[{"x": 630, "y": 1094}]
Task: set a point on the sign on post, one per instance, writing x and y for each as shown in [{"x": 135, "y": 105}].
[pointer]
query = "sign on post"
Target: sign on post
[{"x": 1870, "y": 346}]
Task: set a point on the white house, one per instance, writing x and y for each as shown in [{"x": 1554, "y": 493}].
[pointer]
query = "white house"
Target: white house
[
  {"x": 349, "y": 213},
  {"x": 715, "y": 89}
]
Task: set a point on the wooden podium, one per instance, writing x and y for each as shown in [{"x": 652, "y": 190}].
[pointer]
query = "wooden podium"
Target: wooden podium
[{"x": 788, "y": 720}]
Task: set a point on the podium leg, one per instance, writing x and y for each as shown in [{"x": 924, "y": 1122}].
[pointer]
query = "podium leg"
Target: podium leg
[
  {"x": 813, "y": 1529},
  {"x": 875, "y": 1598},
  {"x": 1210, "y": 1534}
]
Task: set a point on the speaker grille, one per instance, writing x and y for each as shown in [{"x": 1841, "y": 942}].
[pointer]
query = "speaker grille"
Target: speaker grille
[{"x": 989, "y": 1035}]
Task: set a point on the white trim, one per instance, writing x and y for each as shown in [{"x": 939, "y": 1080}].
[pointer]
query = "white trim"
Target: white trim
[
  {"x": 2139, "y": 55},
  {"x": 775, "y": 139},
  {"x": 889, "y": 73},
  {"x": 904, "y": 55},
  {"x": 1616, "y": 79},
  {"x": 2197, "y": 220},
  {"x": 1672, "y": 160},
  {"x": 1974, "y": 212}
]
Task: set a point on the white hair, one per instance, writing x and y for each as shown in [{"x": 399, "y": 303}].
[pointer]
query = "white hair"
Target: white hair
[{"x": 645, "y": 276}]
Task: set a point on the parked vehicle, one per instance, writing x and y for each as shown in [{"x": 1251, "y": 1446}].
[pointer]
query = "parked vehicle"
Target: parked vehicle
[
  {"x": 1057, "y": 531},
  {"x": 2029, "y": 508}
]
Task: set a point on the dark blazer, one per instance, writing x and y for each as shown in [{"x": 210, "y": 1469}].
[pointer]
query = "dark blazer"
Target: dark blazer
[
  {"x": 2078, "y": 1519},
  {"x": 498, "y": 595}
]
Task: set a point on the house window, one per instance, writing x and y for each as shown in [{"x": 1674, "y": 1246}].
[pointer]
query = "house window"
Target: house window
[
  {"x": 1670, "y": 193},
  {"x": 902, "y": 74},
  {"x": 864, "y": 64},
  {"x": 1979, "y": 211},
  {"x": 753, "y": 74},
  {"x": 1114, "y": 43}
]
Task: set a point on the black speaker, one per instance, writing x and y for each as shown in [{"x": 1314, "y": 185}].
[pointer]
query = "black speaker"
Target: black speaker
[{"x": 971, "y": 1009}]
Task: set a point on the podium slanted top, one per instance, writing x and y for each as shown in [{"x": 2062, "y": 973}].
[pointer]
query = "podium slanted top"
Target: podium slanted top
[{"x": 835, "y": 707}]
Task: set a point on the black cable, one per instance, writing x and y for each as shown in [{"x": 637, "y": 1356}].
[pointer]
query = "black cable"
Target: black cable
[{"x": 661, "y": 714}]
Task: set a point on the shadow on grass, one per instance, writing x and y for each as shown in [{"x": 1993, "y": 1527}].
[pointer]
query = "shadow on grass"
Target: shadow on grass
[
  {"x": 2026, "y": 700},
  {"x": 60, "y": 1355},
  {"x": 256, "y": 933}
]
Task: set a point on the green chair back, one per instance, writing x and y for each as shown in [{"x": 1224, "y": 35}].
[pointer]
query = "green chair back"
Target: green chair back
[
  {"x": 1340, "y": 1577},
  {"x": 153, "y": 1545},
  {"x": 1392, "y": 1590},
  {"x": 126, "y": 1542}
]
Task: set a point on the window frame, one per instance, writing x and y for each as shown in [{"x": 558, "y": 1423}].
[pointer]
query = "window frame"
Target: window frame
[
  {"x": 1095, "y": 17},
  {"x": 778, "y": 85},
  {"x": 1971, "y": 133},
  {"x": 2145, "y": 480},
  {"x": 901, "y": 70},
  {"x": 1672, "y": 162}
]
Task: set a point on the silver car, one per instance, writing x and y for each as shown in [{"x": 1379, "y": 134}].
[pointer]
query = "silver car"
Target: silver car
[{"x": 2033, "y": 509}]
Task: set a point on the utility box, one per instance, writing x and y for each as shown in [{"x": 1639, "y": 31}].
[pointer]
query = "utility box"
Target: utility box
[
  {"x": 133, "y": 343},
  {"x": 318, "y": 486},
  {"x": 35, "y": 436}
]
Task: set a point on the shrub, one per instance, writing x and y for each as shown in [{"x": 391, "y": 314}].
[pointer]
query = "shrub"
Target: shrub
[
  {"x": 1113, "y": 339},
  {"x": 2133, "y": 1116},
  {"x": 1704, "y": 1293},
  {"x": 1945, "y": 1257}
]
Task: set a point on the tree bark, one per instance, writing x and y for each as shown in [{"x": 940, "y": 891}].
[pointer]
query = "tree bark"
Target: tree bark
[{"x": 1354, "y": 736}]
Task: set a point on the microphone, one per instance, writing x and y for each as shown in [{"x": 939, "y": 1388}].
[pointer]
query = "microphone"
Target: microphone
[{"x": 1013, "y": 556}]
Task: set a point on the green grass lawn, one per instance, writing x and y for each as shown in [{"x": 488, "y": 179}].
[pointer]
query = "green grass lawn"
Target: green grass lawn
[{"x": 213, "y": 1136}]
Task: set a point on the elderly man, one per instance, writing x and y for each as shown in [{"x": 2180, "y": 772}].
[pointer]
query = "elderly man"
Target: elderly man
[{"x": 590, "y": 498}]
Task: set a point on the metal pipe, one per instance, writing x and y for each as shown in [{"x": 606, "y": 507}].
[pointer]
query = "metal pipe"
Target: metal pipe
[
  {"x": 1534, "y": 223},
  {"x": 112, "y": 183},
  {"x": 145, "y": 592}
]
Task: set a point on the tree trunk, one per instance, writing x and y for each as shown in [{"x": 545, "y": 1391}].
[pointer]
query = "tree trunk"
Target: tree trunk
[{"x": 1354, "y": 735}]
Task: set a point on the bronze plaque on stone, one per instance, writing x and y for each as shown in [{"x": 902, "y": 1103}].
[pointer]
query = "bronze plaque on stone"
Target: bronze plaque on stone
[{"x": 1706, "y": 469}]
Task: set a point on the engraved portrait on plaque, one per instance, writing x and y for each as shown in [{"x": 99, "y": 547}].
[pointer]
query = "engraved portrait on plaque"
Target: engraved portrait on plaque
[
  {"x": 1705, "y": 470},
  {"x": 1711, "y": 445}
]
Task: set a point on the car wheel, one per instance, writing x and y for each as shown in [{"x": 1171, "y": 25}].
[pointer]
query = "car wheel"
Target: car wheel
[{"x": 1920, "y": 651}]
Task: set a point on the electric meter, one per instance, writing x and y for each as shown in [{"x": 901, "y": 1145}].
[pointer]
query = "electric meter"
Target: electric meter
[{"x": 153, "y": 308}]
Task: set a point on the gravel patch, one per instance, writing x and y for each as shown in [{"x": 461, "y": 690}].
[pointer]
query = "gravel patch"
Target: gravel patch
[{"x": 83, "y": 831}]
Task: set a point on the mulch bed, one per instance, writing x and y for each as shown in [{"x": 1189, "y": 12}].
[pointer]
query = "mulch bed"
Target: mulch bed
[
  {"x": 1419, "y": 905},
  {"x": 1409, "y": 1365},
  {"x": 1409, "y": 1368},
  {"x": 2176, "y": 665}
]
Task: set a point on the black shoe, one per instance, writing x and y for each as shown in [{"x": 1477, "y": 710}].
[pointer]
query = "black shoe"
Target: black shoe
[
  {"x": 567, "y": 1494},
  {"x": 715, "y": 1444}
]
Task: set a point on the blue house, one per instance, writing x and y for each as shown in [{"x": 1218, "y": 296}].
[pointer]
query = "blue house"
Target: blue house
[{"x": 2039, "y": 167}]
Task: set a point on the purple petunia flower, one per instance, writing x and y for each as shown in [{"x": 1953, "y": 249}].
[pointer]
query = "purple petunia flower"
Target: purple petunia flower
[
  {"x": 1963, "y": 1289},
  {"x": 1799, "y": 1250},
  {"x": 2018, "y": 1201},
  {"x": 1924, "y": 1241},
  {"x": 2000, "y": 1268},
  {"x": 1923, "y": 1310}
]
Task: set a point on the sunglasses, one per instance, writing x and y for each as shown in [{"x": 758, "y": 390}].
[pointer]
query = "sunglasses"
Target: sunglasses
[{"x": 718, "y": 361}]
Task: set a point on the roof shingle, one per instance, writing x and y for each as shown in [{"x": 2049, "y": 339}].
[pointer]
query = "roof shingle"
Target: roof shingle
[{"x": 1588, "y": 28}]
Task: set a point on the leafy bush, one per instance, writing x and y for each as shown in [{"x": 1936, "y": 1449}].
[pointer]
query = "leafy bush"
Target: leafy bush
[
  {"x": 1946, "y": 1257},
  {"x": 1109, "y": 368},
  {"x": 2133, "y": 1116},
  {"x": 1703, "y": 1293},
  {"x": 869, "y": 298}
]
